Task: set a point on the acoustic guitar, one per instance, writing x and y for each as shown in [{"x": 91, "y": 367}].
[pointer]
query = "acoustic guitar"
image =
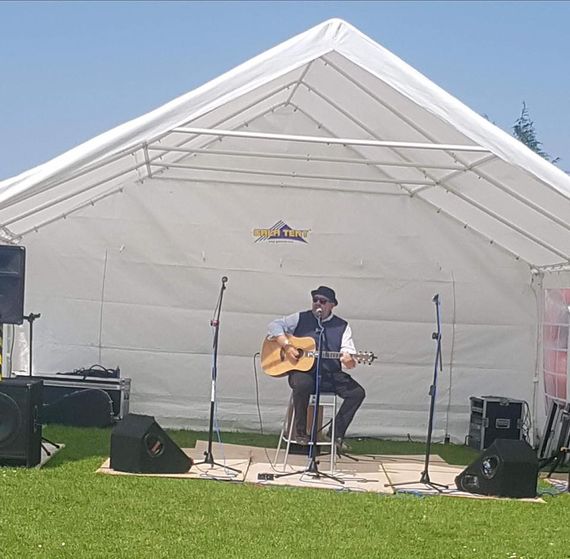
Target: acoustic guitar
[{"x": 275, "y": 362}]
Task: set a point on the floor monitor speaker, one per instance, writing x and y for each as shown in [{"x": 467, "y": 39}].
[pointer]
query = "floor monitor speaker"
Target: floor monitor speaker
[
  {"x": 12, "y": 274},
  {"x": 20, "y": 426},
  {"x": 508, "y": 468},
  {"x": 139, "y": 445}
]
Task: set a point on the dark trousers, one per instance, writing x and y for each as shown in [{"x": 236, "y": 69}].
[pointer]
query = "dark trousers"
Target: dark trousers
[{"x": 341, "y": 383}]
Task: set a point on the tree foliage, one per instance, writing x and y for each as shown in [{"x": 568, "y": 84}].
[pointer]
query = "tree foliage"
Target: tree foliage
[{"x": 524, "y": 131}]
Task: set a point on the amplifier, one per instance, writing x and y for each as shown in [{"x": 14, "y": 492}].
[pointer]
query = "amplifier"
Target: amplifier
[
  {"x": 57, "y": 387},
  {"x": 494, "y": 417}
]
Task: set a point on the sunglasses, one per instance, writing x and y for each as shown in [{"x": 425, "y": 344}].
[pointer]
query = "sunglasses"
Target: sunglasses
[{"x": 320, "y": 300}]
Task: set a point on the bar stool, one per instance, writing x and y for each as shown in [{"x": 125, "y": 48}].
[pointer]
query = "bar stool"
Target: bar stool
[{"x": 327, "y": 400}]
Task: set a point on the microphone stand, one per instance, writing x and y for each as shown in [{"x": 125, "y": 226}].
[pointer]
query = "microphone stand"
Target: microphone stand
[
  {"x": 30, "y": 319},
  {"x": 215, "y": 322},
  {"x": 424, "y": 478},
  {"x": 313, "y": 468}
]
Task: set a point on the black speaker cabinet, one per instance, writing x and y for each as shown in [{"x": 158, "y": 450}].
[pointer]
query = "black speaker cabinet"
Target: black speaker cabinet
[
  {"x": 508, "y": 468},
  {"x": 139, "y": 445},
  {"x": 20, "y": 427},
  {"x": 12, "y": 274}
]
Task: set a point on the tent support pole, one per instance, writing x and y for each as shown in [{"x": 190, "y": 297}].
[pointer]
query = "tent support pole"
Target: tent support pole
[{"x": 327, "y": 140}]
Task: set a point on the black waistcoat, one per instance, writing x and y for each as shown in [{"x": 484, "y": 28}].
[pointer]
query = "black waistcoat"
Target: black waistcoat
[{"x": 334, "y": 330}]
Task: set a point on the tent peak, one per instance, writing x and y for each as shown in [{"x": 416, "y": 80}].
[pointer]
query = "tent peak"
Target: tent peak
[{"x": 335, "y": 22}]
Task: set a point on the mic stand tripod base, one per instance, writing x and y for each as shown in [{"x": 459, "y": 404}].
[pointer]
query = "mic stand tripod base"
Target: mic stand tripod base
[
  {"x": 424, "y": 479},
  {"x": 312, "y": 470},
  {"x": 346, "y": 455},
  {"x": 209, "y": 459}
]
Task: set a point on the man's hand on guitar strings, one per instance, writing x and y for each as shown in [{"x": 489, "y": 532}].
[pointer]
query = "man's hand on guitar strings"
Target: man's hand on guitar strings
[{"x": 291, "y": 352}]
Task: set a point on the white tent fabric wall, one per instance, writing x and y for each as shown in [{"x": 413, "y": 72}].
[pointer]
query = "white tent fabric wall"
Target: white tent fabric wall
[
  {"x": 413, "y": 194},
  {"x": 137, "y": 285}
]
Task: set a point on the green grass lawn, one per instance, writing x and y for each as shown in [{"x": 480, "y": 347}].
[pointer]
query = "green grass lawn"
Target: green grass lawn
[{"x": 67, "y": 510}]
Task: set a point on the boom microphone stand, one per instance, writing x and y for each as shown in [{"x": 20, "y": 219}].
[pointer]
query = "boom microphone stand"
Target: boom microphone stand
[
  {"x": 215, "y": 322},
  {"x": 424, "y": 478},
  {"x": 313, "y": 468}
]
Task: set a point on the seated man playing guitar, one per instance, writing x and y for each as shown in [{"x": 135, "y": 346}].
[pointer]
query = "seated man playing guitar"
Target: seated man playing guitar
[{"x": 337, "y": 338}]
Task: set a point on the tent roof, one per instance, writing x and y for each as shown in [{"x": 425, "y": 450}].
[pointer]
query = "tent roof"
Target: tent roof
[{"x": 282, "y": 118}]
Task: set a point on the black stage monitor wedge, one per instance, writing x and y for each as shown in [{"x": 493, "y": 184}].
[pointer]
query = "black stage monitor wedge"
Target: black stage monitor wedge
[
  {"x": 12, "y": 274},
  {"x": 508, "y": 468},
  {"x": 20, "y": 426},
  {"x": 139, "y": 445}
]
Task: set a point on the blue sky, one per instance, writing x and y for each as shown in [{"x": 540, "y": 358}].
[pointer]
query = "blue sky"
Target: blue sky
[{"x": 71, "y": 70}]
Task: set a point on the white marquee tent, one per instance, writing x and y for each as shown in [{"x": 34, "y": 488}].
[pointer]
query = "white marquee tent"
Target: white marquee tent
[{"x": 394, "y": 190}]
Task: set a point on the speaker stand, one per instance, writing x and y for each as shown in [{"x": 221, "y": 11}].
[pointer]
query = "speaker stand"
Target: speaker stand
[
  {"x": 45, "y": 440},
  {"x": 424, "y": 478},
  {"x": 30, "y": 319}
]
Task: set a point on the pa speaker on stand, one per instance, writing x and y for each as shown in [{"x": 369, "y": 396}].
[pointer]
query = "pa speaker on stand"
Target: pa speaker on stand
[
  {"x": 139, "y": 445},
  {"x": 508, "y": 468},
  {"x": 12, "y": 274}
]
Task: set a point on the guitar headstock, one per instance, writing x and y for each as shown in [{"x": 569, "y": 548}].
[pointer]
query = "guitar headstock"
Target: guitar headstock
[{"x": 364, "y": 357}]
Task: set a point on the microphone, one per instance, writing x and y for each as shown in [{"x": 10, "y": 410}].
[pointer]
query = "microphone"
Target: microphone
[
  {"x": 435, "y": 298},
  {"x": 224, "y": 279},
  {"x": 319, "y": 315}
]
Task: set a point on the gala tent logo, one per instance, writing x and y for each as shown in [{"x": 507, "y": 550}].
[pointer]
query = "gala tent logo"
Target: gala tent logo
[{"x": 281, "y": 232}]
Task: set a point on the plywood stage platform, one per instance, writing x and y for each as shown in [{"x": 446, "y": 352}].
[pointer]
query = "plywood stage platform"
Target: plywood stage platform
[{"x": 361, "y": 473}]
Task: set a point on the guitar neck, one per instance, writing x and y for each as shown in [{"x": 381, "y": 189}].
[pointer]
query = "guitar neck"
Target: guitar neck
[{"x": 328, "y": 354}]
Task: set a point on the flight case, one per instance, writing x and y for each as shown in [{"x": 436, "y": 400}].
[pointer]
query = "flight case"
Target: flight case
[
  {"x": 494, "y": 417},
  {"x": 64, "y": 391}
]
